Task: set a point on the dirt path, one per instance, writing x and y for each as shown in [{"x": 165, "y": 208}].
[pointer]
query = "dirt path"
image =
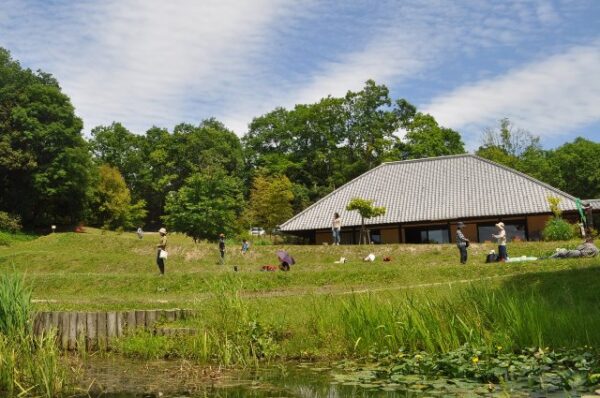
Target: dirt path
[{"x": 325, "y": 290}]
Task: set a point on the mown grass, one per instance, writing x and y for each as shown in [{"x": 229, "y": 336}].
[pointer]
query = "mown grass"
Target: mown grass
[
  {"x": 421, "y": 300},
  {"x": 95, "y": 271}
]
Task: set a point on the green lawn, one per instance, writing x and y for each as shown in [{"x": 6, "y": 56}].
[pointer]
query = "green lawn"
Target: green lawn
[{"x": 94, "y": 270}]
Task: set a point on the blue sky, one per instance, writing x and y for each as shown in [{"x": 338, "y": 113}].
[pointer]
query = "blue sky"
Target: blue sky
[{"x": 468, "y": 63}]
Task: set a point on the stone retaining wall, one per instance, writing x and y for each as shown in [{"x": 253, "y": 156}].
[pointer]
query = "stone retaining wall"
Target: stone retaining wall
[{"x": 97, "y": 329}]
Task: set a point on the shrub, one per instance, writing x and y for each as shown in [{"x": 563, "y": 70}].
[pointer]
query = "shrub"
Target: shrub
[
  {"x": 558, "y": 229},
  {"x": 9, "y": 222}
]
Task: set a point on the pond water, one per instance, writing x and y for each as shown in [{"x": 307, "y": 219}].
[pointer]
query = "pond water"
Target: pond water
[{"x": 119, "y": 378}]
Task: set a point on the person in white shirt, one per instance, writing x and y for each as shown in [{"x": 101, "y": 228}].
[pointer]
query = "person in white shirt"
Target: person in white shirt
[
  {"x": 501, "y": 238},
  {"x": 336, "y": 226}
]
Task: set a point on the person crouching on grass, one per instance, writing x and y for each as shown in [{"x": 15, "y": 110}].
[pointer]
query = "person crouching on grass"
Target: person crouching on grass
[{"x": 162, "y": 246}]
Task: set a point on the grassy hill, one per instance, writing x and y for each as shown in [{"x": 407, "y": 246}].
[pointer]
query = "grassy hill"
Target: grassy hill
[{"x": 422, "y": 299}]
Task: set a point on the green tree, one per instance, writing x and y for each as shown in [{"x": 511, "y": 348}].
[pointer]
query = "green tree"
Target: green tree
[
  {"x": 112, "y": 201},
  {"x": 366, "y": 210},
  {"x": 578, "y": 166},
  {"x": 207, "y": 204},
  {"x": 507, "y": 144},
  {"x": 118, "y": 147},
  {"x": 45, "y": 165},
  {"x": 425, "y": 138},
  {"x": 270, "y": 201}
]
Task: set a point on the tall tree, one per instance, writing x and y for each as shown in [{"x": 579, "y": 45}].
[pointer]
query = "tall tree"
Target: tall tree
[
  {"x": 270, "y": 201},
  {"x": 209, "y": 203},
  {"x": 112, "y": 201},
  {"x": 118, "y": 147},
  {"x": 578, "y": 164},
  {"x": 44, "y": 161}
]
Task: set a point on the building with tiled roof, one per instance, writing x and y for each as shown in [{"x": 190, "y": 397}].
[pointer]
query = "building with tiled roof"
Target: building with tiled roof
[{"x": 425, "y": 198}]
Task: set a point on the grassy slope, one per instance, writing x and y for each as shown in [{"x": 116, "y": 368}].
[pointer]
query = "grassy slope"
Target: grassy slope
[
  {"x": 422, "y": 299},
  {"x": 92, "y": 270}
]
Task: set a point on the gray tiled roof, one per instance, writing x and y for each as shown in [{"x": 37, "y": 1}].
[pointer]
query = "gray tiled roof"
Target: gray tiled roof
[
  {"x": 594, "y": 202},
  {"x": 442, "y": 188}
]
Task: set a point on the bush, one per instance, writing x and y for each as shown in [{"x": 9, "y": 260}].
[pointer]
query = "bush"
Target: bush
[
  {"x": 558, "y": 229},
  {"x": 9, "y": 222}
]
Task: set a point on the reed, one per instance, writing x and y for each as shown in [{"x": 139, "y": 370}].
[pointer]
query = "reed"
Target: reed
[{"x": 28, "y": 366}]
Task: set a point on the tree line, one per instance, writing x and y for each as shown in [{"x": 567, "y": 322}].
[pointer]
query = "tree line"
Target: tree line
[{"x": 203, "y": 179}]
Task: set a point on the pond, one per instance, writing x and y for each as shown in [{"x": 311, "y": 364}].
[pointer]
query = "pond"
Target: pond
[{"x": 123, "y": 378}]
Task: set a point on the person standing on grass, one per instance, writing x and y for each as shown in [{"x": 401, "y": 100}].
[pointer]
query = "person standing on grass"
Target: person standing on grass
[
  {"x": 336, "y": 226},
  {"x": 222, "y": 248},
  {"x": 461, "y": 242},
  {"x": 162, "y": 246},
  {"x": 245, "y": 246},
  {"x": 501, "y": 238},
  {"x": 140, "y": 232}
]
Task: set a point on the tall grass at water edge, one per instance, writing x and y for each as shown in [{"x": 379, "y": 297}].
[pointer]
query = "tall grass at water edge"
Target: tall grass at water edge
[
  {"x": 511, "y": 318},
  {"x": 233, "y": 335},
  {"x": 29, "y": 366},
  {"x": 233, "y": 330}
]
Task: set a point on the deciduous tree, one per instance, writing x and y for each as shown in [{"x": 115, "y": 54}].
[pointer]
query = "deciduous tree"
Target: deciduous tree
[
  {"x": 367, "y": 210},
  {"x": 208, "y": 204}
]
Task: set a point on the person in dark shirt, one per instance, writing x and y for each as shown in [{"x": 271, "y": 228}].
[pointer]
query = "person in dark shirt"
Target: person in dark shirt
[
  {"x": 222, "y": 248},
  {"x": 461, "y": 242}
]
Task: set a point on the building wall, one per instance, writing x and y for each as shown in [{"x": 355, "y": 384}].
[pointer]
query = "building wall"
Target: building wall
[
  {"x": 469, "y": 230},
  {"x": 395, "y": 234},
  {"x": 535, "y": 226},
  {"x": 390, "y": 235},
  {"x": 323, "y": 237}
]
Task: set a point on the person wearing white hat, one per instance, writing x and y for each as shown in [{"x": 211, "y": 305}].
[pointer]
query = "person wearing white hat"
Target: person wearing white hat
[
  {"x": 501, "y": 238},
  {"x": 162, "y": 250}
]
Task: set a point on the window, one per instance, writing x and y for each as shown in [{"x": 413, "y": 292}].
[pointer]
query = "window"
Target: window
[
  {"x": 433, "y": 234},
  {"x": 515, "y": 230}
]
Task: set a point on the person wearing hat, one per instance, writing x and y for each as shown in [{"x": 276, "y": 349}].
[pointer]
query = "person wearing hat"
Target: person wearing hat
[
  {"x": 162, "y": 246},
  {"x": 461, "y": 242},
  {"x": 501, "y": 238},
  {"x": 222, "y": 248}
]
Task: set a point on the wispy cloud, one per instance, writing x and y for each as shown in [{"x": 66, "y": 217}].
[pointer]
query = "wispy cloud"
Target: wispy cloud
[
  {"x": 546, "y": 97},
  {"x": 409, "y": 42},
  {"x": 144, "y": 62},
  {"x": 151, "y": 62}
]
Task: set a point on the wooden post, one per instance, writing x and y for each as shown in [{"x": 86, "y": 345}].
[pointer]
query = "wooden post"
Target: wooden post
[
  {"x": 91, "y": 320},
  {"x": 111, "y": 327},
  {"x": 81, "y": 329},
  {"x": 120, "y": 322},
  {"x": 130, "y": 321},
  {"x": 63, "y": 327},
  {"x": 140, "y": 318},
  {"x": 170, "y": 315},
  {"x": 102, "y": 342},
  {"x": 150, "y": 319}
]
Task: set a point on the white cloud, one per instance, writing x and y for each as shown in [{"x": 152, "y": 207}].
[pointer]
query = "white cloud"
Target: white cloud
[
  {"x": 547, "y": 97},
  {"x": 410, "y": 41},
  {"x": 141, "y": 61}
]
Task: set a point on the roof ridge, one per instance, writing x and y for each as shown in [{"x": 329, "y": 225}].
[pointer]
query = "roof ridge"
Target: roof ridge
[
  {"x": 430, "y": 158},
  {"x": 334, "y": 191}
]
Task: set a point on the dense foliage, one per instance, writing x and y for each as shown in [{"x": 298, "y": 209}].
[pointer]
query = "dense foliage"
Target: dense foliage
[
  {"x": 573, "y": 167},
  {"x": 49, "y": 174},
  {"x": 207, "y": 205},
  {"x": 557, "y": 228},
  {"x": 44, "y": 160}
]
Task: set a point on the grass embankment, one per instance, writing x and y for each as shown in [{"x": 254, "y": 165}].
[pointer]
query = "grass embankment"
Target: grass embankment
[{"x": 421, "y": 300}]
